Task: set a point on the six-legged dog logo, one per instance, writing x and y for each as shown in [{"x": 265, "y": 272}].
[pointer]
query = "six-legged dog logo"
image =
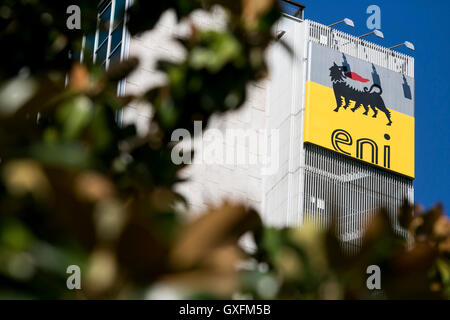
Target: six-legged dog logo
[{"x": 347, "y": 94}]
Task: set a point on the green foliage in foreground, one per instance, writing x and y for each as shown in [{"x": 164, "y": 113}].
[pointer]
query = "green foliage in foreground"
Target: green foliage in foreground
[{"x": 78, "y": 189}]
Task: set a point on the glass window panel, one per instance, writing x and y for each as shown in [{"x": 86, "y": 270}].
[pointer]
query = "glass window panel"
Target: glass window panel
[
  {"x": 103, "y": 31},
  {"x": 102, "y": 35},
  {"x": 101, "y": 53},
  {"x": 119, "y": 11},
  {"x": 116, "y": 37},
  {"x": 105, "y": 16},
  {"x": 288, "y": 8},
  {"x": 115, "y": 56},
  {"x": 89, "y": 46},
  {"x": 103, "y": 4}
]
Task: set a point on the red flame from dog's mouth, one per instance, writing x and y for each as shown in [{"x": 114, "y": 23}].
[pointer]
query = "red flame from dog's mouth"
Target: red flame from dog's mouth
[{"x": 356, "y": 77}]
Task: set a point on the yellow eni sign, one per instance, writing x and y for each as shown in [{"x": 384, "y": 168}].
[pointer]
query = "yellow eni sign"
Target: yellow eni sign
[{"x": 351, "y": 114}]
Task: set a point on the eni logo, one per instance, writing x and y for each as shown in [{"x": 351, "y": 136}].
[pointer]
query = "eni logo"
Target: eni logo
[
  {"x": 364, "y": 146},
  {"x": 346, "y": 93}
]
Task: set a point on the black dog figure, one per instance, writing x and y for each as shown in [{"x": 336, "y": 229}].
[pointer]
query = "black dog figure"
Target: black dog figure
[{"x": 346, "y": 94}]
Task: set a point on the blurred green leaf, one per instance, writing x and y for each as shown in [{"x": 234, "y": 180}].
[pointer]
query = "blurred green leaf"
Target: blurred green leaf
[{"x": 74, "y": 116}]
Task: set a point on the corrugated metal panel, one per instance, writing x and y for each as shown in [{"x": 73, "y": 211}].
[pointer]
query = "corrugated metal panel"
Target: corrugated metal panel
[{"x": 350, "y": 190}]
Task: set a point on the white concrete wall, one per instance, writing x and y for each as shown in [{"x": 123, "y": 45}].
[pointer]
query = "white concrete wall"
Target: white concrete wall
[
  {"x": 283, "y": 191},
  {"x": 274, "y": 103}
]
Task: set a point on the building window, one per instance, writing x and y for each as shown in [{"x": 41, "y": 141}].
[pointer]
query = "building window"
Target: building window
[
  {"x": 110, "y": 32},
  {"x": 106, "y": 45},
  {"x": 292, "y": 8}
]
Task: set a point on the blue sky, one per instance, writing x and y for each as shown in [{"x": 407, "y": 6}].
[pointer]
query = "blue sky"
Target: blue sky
[{"x": 426, "y": 25}]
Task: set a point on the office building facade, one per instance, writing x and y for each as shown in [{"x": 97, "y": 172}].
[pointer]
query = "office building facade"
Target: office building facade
[{"x": 333, "y": 125}]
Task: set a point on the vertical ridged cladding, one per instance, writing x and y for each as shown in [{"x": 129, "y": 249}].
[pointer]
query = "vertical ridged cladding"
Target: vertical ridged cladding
[{"x": 349, "y": 192}]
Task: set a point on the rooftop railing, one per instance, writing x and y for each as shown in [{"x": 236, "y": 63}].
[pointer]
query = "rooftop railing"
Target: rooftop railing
[{"x": 360, "y": 48}]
